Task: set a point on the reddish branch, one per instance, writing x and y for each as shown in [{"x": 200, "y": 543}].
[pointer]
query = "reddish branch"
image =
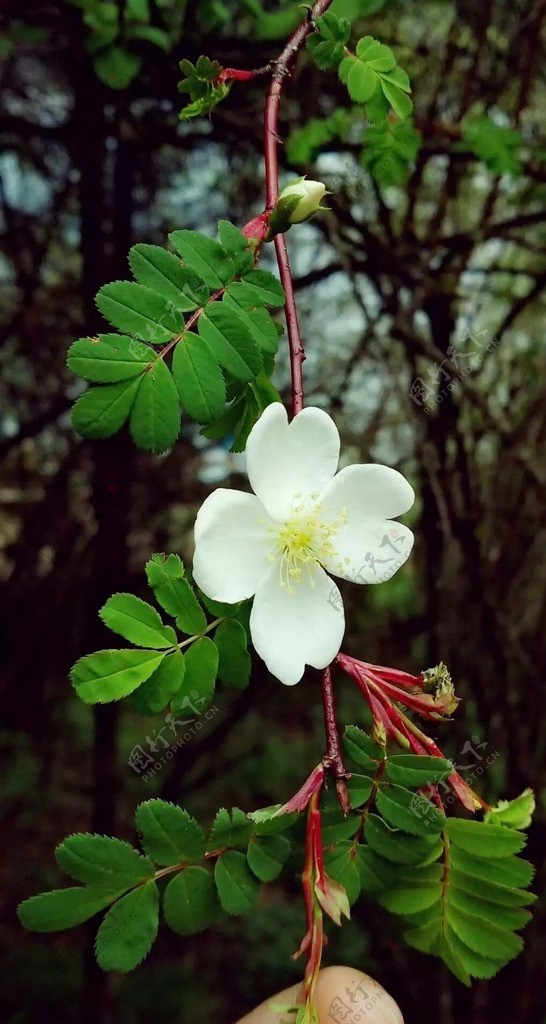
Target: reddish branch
[
  {"x": 334, "y": 759},
  {"x": 282, "y": 69}
]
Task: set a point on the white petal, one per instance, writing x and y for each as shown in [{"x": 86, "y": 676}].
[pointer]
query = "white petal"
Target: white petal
[
  {"x": 369, "y": 552},
  {"x": 369, "y": 547},
  {"x": 292, "y": 630},
  {"x": 232, "y": 545},
  {"x": 374, "y": 492},
  {"x": 284, "y": 459}
]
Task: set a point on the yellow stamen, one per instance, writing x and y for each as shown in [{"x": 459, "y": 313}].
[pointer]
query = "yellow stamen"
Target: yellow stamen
[{"x": 303, "y": 543}]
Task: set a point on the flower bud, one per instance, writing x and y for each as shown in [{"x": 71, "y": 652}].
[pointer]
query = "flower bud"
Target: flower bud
[
  {"x": 304, "y": 198},
  {"x": 296, "y": 203},
  {"x": 332, "y": 898}
]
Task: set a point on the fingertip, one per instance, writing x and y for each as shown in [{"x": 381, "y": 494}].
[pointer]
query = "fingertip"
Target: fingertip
[{"x": 344, "y": 989}]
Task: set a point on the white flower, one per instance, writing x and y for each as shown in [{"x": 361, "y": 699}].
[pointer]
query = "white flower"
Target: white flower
[
  {"x": 310, "y": 195},
  {"x": 302, "y": 519}
]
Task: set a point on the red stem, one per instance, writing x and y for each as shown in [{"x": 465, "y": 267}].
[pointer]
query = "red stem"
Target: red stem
[
  {"x": 282, "y": 69},
  {"x": 297, "y": 352},
  {"x": 334, "y": 758},
  {"x": 238, "y": 75}
]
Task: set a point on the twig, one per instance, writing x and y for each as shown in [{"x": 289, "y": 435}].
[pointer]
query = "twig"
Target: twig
[
  {"x": 334, "y": 758},
  {"x": 282, "y": 69}
]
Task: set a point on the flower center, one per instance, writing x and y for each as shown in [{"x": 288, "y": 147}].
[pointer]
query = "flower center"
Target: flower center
[{"x": 303, "y": 543}]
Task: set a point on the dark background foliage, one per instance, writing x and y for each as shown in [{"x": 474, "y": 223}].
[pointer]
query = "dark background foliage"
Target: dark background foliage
[{"x": 387, "y": 281}]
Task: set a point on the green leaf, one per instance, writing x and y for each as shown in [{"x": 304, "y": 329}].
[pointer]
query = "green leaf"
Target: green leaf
[
  {"x": 190, "y": 902},
  {"x": 480, "y": 934},
  {"x": 465, "y": 908},
  {"x": 230, "y": 341},
  {"x": 250, "y": 409},
  {"x": 415, "y": 770},
  {"x": 362, "y": 750},
  {"x": 330, "y": 26},
  {"x": 139, "y": 311},
  {"x": 155, "y": 416},
  {"x": 151, "y": 34},
  {"x": 109, "y": 358},
  {"x": 359, "y": 788},
  {"x": 426, "y": 938},
  {"x": 246, "y": 308},
  {"x": 137, "y": 10},
  {"x": 205, "y": 257},
  {"x": 305, "y": 143},
  {"x": 63, "y": 908},
  {"x": 237, "y": 888},
  {"x": 266, "y": 856},
  {"x": 484, "y": 840},
  {"x": 399, "y": 78},
  {"x": 229, "y": 829},
  {"x": 512, "y": 918},
  {"x": 199, "y": 380},
  {"x": 219, "y": 609},
  {"x": 265, "y": 392},
  {"x": 273, "y": 25},
  {"x": 234, "y": 662},
  {"x": 174, "y": 593},
  {"x": 394, "y": 845},
  {"x": 110, "y": 675},
  {"x": 267, "y": 820},
  {"x": 205, "y": 103},
  {"x": 510, "y": 871},
  {"x": 236, "y": 245},
  {"x": 375, "y": 872},
  {"x": 266, "y": 287},
  {"x": 157, "y": 692},
  {"x": 117, "y": 67},
  {"x": 162, "y": 272},
  {"x": 377, "y": 109},
  {"x": 371, "y": 72},
  {"x": 341, "y": 866},
  {"x": 101, "y": 411},
  {"x": 413, "y": 896},
  {"x": 136, "y": 621},
  {"x": 404, "y": 810},
  {"x": 361, "y": 80},
  {"x": 225, "y": 425},
  {"x": 499, "y": 147},
  {"x": 376, "y": 55},
  {"x": 389, "y": 151},
  {"x": 399, "y": 100},
  {"x": 161, "y": 570},
  {"x": 169, "y": 835},
  {"x": 476, "y": 965},
  {"x": 231, "y": 238},
  {"x": 103, "y": 861},
  {"x": 200, "y": 677},
  {"x": 206, "y": 69},
  {"x": 488, "y": 889},
  {"x": 369, "y": 7},
  {"x": 516, "y": 813},
  {"x": 326, "y": 53},
  {"x": 336, "y": 827},
  {"x": 129, "y": 929}
]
